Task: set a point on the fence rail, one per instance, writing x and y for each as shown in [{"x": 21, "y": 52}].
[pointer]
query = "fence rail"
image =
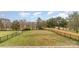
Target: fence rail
[
  {"x": 65, "y": 33},
  {"x": 4, "y": 38}
]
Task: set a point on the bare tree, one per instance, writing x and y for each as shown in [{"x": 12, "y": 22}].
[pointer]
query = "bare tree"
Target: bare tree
[
  {"x": 74, "y": 21},
  {"x": 23, "y": 24}
]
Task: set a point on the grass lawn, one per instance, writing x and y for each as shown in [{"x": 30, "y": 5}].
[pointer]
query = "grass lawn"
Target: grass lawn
[
  {"x": 4, "y": 33},
  {"x": 39, "y": 38}
]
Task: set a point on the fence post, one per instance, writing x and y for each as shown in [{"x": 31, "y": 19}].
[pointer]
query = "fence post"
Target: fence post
[
  {"x": 7, "y": 37},
  {"x": 16, "y": 33},
  {"x": 0, "y": 39}
]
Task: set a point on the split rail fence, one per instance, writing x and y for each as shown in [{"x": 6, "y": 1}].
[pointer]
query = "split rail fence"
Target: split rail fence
[
  {"x": 65, "y": 33},
  {"x": 4, "y": 38}
]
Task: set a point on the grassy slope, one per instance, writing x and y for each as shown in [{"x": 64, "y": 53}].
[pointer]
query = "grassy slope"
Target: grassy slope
[{"x": 39, "y": 38}]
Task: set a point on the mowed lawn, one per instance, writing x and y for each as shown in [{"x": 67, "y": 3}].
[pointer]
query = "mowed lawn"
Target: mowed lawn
[
  {"x": 4, "y": 33},
  {"x": 39, "y": 38}
]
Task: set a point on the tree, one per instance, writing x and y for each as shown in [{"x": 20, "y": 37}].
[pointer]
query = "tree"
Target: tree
[
  {"x": 43, "y": 24},
  {"x": 56, "y": 22},
  {"x": 59, "y": 22},
  {"x": 1, "y": 25},
  {"x": 5, "y": 24},
  {"x": 62, "y": 23},
  {"x": 15, "y": 25},
  {"x": 74, "y": 21},
  {"x": 51, "y": 23},
  {"x": 38, "y": 25},
  {"x": 23, "y": 24}
]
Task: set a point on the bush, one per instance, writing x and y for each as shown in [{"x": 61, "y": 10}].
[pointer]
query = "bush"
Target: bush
[{"x": 26, "y": 29}]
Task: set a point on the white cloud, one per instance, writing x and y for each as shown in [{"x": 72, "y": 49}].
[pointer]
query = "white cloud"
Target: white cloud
[
  {"x": 69, "y": 12},
  {"x": 24, "y": 14},
  {"x": 37, "y": 13},
  {"x": 50, "y": 12},
  {"x": 62, "y": 14}
]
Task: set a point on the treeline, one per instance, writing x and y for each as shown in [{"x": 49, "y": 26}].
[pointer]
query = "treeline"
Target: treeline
[
  {"x": 57, "y": 22},
  {"x": 6, "y": 24},
  {"x": 69, "y": 23}
]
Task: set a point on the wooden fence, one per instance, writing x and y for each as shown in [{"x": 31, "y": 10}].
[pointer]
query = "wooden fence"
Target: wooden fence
[
  {"x": 4, "y": 38},
  {"x": 65, "y": 33}
]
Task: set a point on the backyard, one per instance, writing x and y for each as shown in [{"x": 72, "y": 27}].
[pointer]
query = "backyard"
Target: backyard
[
  {"x": 39, "y": 38},
  {"x": 39, "y": 31}
]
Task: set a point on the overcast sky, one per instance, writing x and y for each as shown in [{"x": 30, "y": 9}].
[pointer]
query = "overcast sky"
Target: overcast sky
[{"x": 32, "y": 15}]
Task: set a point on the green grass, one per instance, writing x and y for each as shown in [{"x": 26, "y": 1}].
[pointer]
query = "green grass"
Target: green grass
[
  {"x": 39, "y": 38},
  {"x": 4, "y": 33}
]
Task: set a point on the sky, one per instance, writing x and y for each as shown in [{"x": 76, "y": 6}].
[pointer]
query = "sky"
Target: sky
[{"x": 32, "y": 15}]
